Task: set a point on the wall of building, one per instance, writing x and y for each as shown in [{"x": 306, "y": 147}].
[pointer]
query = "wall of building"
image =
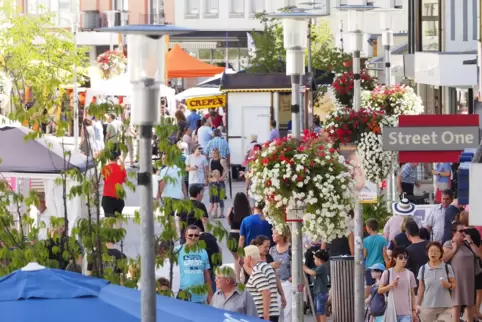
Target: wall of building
[
  {"x": 460, "y": 25},
  {"x": 169, "y": 12}
]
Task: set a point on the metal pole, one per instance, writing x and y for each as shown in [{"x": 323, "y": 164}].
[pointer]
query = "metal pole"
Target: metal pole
[
  {"x": 479, "y": 54},
  {"x": 296, "y": 234},
  {"x": 144, "y": 182},
  {"x": 76, "y": 91},
  {"x": 358, "y": 218},
  {"x": 310, "y": 73}
]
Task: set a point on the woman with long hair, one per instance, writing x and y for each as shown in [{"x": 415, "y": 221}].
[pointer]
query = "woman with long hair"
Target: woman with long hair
[
  {"x": 240, "y": 210},
  {"x": 281, "y": 254},
  {"x": 219, "y": 193},
  {"x": 87, "y": 139},
  {"x": 194, "y": 133}
]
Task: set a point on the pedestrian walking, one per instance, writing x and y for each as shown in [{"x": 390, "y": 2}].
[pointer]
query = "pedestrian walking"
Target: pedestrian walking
[
  {"x": 436, "y": 221},
  {"x": 240, "y": 210},
  {"x": 407, "y": 179},
  {"x": 320, "y": 288},
  {"x": 214, "y": 193},
  {"x": 281, "y": 254},
  {"x": 198, "y": 215},
  {"x": 417, "y": 251},
  {"x": 374, "y": 251},
  {"x": 204, "y": 133},
  {"x": 87, "y": 139},
  {"x": 400, "y": 210},
  {"x": 443, "y": 174},
  {"x": 400, "y": 240},
  {"x": 197, "y": 166},
  {"x": 436, "y": 281},
  {"x": 254, "y": 226},
  {"x": 274, "y": 134},
  {"x": 460, "y": 252},
  {"x": 113, "y": 134},
  {"x": 261, "y": 284},
  {"x": 194, "y": 269},
  {"x": 219, "y": 144},
  {"x": 218, "y": 194},
  {"x": 376, "y": 302},
  {"x": 229, "y": 296},
  {"x": 114, "y": 176},
  {"x": 399, "y": 283}
]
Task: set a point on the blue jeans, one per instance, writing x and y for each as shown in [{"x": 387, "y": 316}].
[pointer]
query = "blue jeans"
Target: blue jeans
[
  {"x": 404, "y": 318},
  {"x": 320, "y": 303}
]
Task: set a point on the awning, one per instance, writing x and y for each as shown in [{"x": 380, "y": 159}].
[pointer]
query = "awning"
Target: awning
[
  {"x": 199, "y": 103},
  {"x": 182, "y": 65}
]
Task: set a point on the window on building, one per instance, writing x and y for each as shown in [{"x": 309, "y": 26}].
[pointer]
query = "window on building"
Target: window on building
[
  {"x": 64, "y": 10},
  {"x": 192, "y": 8},
  {"x": 429, "y": 26},
  {"x": 236, "y": 8},
  {"x": 211, "y": 8},
  {"x": 256, "y": 6}
]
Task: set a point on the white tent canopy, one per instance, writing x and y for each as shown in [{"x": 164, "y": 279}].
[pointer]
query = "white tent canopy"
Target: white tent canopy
[
  {"x": 198, "y": 92},
  {"x": 120, "y": 86}
]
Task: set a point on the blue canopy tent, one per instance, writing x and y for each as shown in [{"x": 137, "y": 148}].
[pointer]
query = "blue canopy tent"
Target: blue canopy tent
[{"x": 40, "y": 294}]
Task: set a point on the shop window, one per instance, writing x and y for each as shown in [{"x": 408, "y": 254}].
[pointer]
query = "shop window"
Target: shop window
[{"x": 429, "y": 25}]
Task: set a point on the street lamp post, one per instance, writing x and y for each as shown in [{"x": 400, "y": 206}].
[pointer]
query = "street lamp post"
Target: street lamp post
[
  {"x": 355, "y": 28},
  {"x": 295, "y": 36},
  {"x": 75, "y": 27},
  {"x": 146, "y": 63}
]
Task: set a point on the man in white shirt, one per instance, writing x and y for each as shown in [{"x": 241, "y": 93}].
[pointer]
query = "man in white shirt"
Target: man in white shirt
[
  {"x": 436, "y": 221},
  {"x": 43, "y": 216}
]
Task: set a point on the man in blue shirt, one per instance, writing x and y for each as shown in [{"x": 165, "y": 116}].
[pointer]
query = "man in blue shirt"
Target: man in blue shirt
[
  {"x": 274, "y": 134},
  {"x": 194, "y": 269},
  {"x": 192, "y": 118},
  {"x": 255, "y": 225}
]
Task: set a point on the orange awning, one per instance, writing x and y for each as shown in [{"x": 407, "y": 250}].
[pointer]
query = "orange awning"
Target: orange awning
[{"x": 182, "y": 65}]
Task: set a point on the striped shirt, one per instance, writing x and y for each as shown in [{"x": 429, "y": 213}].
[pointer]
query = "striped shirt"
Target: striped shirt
[
  {"x": 219, "y": 144},
  {"x": 263, "y": 278},
  {"x": 409, "y": 174}
]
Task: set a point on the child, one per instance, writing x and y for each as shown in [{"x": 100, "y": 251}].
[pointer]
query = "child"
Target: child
[
  {"x": 214, "y": 192},
  {"x": 376, "y": 300},
  {"x": 320, "y": 288},
  {"x": 163, "y": 286},
  {"x": 374, "y": 251}
]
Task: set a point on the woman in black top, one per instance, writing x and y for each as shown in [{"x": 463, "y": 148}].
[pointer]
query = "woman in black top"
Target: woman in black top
[{"x": 236, "y": 214}]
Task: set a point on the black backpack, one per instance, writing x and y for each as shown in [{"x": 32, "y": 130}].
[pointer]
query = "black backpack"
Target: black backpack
[{"x": 378, "y": 302}]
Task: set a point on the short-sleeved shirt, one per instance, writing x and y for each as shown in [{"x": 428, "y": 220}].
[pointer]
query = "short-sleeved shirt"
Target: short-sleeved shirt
[
  {"x": 192, "y": 265},
  {"x": 417, "y": 256},
  {"x": 374, "y": 247},
  {"x": 401, "y": 293},
  {"x": 219, "y": 144},
  {"x": 114, "y": 131},
  {"x": 263, "y": 278},
  {"x": 435, "y": 295},
  {"x": 273, "y": 135},
  {"x": 254, "y": 226},
  {"x": 192, "y": 118},
  {"x": 400, "y": 240},
  {"x": 194, "y": 217},
  {"x": 443, "y": 167},
  {"x": 197, "y": 176},
  {"x": 408, "y": 174},
  {"x": 172, "y": 176},
  {"x": 321, "y": 279},
  {"x": 436, "y": 221},
  {"x": 239, "y": 302},
  {"x": 204, "y": 135},
  {"x": 114, "y": 175}
]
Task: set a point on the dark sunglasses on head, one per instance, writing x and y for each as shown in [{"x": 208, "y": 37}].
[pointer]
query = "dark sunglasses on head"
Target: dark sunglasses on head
[
  {"x": 193, "y": 235},
  {"x": 402, "y": 257}
]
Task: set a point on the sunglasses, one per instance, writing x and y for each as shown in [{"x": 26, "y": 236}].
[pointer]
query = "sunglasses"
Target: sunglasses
[
  {"x": 460, "y": 231},
  {"x": 193, "y": 235},
  {"x": 402, "y": 257}
]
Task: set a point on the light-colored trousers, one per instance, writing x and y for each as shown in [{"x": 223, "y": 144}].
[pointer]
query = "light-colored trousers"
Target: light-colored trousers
[{"x": 436, "y": 315}]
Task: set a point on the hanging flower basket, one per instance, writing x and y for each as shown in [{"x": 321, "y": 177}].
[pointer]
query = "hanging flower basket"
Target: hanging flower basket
[
  {"x": 112, "y": 63},
  {"x": 393, "y": 101},
  {"x": 343, "y": 86},
  {"x": 310, "y": 171}
]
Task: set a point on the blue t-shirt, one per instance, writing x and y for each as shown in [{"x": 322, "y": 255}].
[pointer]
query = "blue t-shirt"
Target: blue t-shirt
[
  {"x": 443, "y": 167},
  {"x": 192, "y": 118},
  {"x": 253, "y": 226},
  {"x": 192, "y": 265},
  {"x": 374, "y": 246}
]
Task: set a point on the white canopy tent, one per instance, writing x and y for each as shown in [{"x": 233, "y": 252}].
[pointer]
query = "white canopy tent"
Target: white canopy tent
[
  {"x": 198, "y": 92},
  {"x": 121, "y": 86}
]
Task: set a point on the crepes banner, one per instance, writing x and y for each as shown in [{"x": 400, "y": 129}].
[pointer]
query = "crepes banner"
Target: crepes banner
[{"x": 206, "y": 102}]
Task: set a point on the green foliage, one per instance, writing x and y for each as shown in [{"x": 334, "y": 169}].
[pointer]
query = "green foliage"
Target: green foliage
[{"x": 377, "y": 211}]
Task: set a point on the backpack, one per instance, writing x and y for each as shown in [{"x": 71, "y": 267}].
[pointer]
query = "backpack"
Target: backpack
[
  {"x": 446, "y": 273},
  {"x": 378, "y": 302}
]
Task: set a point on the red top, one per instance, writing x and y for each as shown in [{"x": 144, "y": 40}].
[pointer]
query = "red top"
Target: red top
[
  {"x": 113, "y": 174},
  {"x": 217, "y": 121}
]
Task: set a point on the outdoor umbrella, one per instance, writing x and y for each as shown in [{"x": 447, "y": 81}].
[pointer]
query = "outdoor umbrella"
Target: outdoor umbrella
[
  {"x": 40, "y": 294},
  {"x": 41, "y": 155}
]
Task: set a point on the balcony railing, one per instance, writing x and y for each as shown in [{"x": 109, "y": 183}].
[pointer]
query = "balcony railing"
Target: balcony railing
[{"x": 157, "y": 18}]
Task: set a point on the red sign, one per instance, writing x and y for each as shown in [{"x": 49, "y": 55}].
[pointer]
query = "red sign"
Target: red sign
[{"x": 434, "y": 120}]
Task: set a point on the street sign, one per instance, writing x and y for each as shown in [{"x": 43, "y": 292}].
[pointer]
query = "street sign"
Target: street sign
[
  {"x": 454, "y": 138},
  {"x": 435, "y": 121}
]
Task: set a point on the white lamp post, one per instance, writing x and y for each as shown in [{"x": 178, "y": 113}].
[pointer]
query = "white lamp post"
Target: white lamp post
[
  {"x": 295, "y": 36},
  {"x": 75, "y": 27},
  {"x": 355, "y": 26},
  {"x": 146, "y": 62}
]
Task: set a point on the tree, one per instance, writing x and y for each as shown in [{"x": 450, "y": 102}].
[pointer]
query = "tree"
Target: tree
[{"x": 271, "y": 56}]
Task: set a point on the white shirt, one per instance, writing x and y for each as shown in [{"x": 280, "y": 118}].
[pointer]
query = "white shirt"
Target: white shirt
[
  {"x": 204, "y": 135},
  {"x": 436, "y": 221},
  {"x": 45, "y": 218},
  {"x": 173, "y": 186}
]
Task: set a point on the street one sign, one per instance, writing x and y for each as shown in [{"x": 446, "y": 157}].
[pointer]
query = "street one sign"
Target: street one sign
[
  {"x": 431, "y": 154},
  {"x": 452, "y": 138}
]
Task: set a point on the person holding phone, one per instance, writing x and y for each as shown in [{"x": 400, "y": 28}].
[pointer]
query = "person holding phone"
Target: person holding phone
[
  {"x": 399, "y": 283},
  {"x": 197, "y": 167}
]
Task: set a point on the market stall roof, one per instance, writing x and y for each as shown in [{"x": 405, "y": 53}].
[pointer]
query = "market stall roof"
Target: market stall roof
[
  {"x": 44, "y": 155},
  {"x": 182, "y": 65},
  {"x": 273, "y": 82}
]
